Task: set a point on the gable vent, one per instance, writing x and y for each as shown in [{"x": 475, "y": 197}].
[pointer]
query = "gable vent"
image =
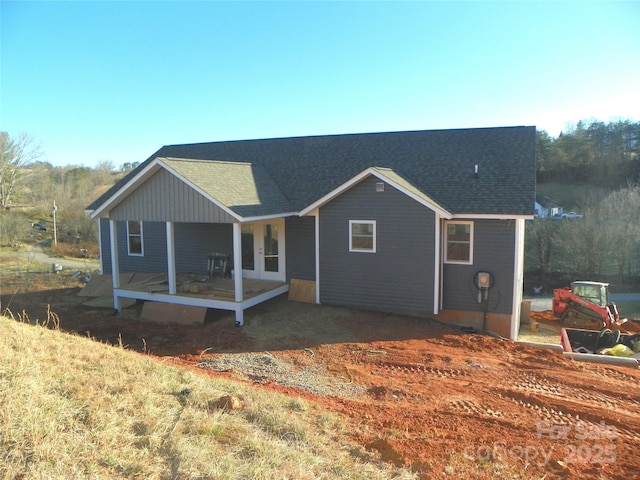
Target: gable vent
[{"x": 379, "y": 186}]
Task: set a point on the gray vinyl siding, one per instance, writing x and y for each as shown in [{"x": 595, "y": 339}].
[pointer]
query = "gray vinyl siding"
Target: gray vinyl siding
[
  {"x": 399, "y": 276},
  {"x": 195, "y": 241},
  {"x": 494, "y": 244},
  {"x": 163, "y": 197},
  {"x": 300, "y": 243},
  {"x": 154, "y": 240},
  {"x": 105, "y": 245}
]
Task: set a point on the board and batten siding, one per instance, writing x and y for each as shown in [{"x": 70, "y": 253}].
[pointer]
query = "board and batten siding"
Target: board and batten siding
[
  {"x": 164, "y": 197},
  {"x": 300, "y": 242},
  {"x": 494, "y": 244},
  {"x": 399, "y": 276}
]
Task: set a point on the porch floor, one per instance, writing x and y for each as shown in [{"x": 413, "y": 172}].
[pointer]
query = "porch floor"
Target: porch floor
[
  {"x": 200, "y": 286},
  {"x": 200, "y": 290}
]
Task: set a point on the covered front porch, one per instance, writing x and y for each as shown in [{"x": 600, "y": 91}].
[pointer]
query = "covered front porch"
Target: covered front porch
[
  {"x": 260, "y": 278},
  {"x": 175, "y": 213}
]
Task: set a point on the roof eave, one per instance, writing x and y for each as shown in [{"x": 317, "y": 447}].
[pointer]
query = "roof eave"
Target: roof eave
[{"x": 491, "y": 216}]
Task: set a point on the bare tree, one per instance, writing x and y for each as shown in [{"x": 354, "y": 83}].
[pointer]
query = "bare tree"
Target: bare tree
[
  {"x": 621, "y": 213},
  {"x": 15, "y": 155},
  {"x": 586, "y": 239},
  {"x": 13, "y": 227},
  {"x": 541, "y": 238}
]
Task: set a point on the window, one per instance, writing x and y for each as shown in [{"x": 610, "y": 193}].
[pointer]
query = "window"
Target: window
[
  {"x": 134, "y": 237},
  {"x": 362, "y": 236},
  {"x": 459, "y": 242}
]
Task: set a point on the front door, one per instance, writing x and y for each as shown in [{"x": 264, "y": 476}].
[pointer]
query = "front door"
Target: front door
[{"x": 263, "y": 250}]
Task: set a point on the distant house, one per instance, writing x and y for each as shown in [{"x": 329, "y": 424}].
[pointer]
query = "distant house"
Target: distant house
[
  {"x": 545, "y": 207},
  {"x": 413, "y": 222}
]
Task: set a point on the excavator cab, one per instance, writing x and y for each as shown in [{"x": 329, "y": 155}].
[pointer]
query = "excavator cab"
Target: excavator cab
[{"x": 596, "y": 292}]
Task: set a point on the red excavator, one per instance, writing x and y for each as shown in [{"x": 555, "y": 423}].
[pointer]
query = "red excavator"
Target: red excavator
[{"x": 586, "y": 305}]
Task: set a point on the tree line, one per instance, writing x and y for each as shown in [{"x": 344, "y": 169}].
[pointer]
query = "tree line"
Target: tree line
[
  {"x": 593, "y": 152},
  {"x": 603, "y": 158}
]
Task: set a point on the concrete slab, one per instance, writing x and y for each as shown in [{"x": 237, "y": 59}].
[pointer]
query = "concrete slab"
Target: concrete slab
[{"x": 159, "y": 312}]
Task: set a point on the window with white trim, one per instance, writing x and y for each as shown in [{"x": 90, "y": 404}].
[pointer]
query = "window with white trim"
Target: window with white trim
[
  {"x": 134, "y": 238},
  {"x": 458, "y": 242},
  {"x": 362, "y": 236}
]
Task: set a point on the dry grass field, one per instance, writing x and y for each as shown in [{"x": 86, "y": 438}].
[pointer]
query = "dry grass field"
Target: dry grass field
[{"x": 71, "y": 407}]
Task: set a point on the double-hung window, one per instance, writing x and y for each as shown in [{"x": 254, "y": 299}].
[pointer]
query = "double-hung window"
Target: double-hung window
[
  {"x": 362, "y": 236},
  {"x": 134, "y": 238},
  {"x": 458, "y": 242}
]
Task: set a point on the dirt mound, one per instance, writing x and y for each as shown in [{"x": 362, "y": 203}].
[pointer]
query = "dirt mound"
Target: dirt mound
[{"x": 429, "y": 397}]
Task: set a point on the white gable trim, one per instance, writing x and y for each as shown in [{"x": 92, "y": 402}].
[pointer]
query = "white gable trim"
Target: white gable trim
[
  {"x": 141, "y": 177},
  {"x": 126, "y": 189},
  {"x": 423, "y": 200}
]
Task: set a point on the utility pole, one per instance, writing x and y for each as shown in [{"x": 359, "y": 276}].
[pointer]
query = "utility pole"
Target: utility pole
[{"x": 55, "y": 233}]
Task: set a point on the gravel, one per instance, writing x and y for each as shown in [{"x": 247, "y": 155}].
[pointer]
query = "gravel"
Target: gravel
[{"x": 264, "y": 367}]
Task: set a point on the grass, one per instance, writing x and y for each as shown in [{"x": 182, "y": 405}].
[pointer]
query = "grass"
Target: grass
[
  {"x": 18, "y": 275},
  {"x": 71, "y": 407}
]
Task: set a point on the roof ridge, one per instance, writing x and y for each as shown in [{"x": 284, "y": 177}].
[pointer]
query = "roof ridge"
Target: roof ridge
[
  {"x": 351, "y": 134},
  {"x": 201, "y": 160}
]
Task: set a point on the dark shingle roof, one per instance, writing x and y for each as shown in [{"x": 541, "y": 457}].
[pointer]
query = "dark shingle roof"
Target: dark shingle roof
[
  {"x": 246, "y": 189},
  {"x": 440, "y": 163}
]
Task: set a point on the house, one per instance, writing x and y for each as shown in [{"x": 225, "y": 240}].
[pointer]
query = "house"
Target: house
[
  {"x": 546, "y": 207},
  {"x": 426, "y": 223}
]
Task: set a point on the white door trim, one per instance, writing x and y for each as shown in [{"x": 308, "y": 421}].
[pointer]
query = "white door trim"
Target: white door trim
[{"x": 260, "y": 271}]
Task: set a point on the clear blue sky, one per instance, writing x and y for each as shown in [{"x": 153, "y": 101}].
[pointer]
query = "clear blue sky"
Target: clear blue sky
[{"x": 96, "y": 81}]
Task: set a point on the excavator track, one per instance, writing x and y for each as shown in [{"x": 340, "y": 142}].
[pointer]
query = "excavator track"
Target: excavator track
[{"x": 580, "y": 317}]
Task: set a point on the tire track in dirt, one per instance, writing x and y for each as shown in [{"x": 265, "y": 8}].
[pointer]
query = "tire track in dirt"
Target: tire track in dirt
[{"x": 561, "y": 404}]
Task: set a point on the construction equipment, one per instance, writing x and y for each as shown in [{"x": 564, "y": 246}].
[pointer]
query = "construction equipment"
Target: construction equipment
[{"x": 586, "y": 305}]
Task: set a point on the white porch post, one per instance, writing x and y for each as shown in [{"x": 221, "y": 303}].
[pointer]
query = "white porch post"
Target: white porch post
[
  {"x": 171, "y": 259},
  {"x": 115, "y": 264},
  {"x": 237, "y": 268},
  {"x": 317, "y": 236},
  {"x": 437, "y": 280},
  {"x": 518, "y": 279}
]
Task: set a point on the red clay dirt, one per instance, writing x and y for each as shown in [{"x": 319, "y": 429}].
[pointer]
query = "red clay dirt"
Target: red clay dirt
[{"x": 435, "y": 399}]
